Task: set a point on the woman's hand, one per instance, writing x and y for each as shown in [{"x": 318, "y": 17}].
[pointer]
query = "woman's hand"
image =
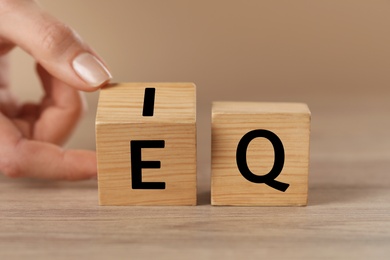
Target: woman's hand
[{"x": 31, "y": 134}]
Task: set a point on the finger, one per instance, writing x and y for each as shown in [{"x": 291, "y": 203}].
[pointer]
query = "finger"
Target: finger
[
  {"x": 8, "y": 102},
  {"x": 36, "y": 159},
  {"x": 26, "y": 118},
  {"x": 53, "y": 44},
  {"x": 60, "y": 110},
  {"x": 20, "y": 157},
  {"x": 5, "y": 46}
]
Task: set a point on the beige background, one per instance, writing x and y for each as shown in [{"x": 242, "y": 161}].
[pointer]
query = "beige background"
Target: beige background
[{"x": 333, "y": 55}]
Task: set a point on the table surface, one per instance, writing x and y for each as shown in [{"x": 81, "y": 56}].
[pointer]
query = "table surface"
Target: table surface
[{"x": 348, "y": 213}]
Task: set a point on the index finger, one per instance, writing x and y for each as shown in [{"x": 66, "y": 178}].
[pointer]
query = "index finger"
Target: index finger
[{"x": 53, "y": 44}]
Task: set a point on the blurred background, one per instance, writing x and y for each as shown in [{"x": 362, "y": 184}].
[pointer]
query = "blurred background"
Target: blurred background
[{"x": 332, "y": 55}]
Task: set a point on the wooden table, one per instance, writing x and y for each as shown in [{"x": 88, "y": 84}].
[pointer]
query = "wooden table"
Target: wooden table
[{"x": 348, "y": 215}]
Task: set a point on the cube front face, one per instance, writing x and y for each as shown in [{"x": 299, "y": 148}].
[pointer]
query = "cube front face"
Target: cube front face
[
  {"x": 231, "y": 121},
  {"x": 171, "y": 131}
]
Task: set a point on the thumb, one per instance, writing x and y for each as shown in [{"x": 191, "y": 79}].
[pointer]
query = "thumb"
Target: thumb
[{"x": 53, "y": 44}]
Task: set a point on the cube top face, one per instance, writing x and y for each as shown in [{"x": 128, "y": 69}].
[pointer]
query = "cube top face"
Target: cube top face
[
  {"x": 123, "y": 103},
  {"x": 231, "y": 121},
  {"x": 259, "y": 108},
  {"x": 164, "y": 145}
]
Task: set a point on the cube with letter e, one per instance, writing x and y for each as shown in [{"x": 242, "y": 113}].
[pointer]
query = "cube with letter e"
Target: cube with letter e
[
  {"x": 146, "y": 144},
  {"x": 260, "y": 154}
]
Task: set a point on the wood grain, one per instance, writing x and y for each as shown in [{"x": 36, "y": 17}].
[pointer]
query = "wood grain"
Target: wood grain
[
  {"x": 347, "y": 217},
  {"x": 119, "y": 120},
  {"x": 290, "y": 122}
]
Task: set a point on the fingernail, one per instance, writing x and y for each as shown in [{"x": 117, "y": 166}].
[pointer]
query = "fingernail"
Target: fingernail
[{"x": 90, "y": 69}]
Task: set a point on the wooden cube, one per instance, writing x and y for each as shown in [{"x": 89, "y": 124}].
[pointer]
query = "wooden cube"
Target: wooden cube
[
  {"x": 260, "y": 154},
  {"x": 146, "y": 144}
]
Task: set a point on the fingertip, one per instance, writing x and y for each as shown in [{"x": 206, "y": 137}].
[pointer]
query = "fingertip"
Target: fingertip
[
  {"x": 82, "y": 165},
  {"x": 91, "y": 70}
]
